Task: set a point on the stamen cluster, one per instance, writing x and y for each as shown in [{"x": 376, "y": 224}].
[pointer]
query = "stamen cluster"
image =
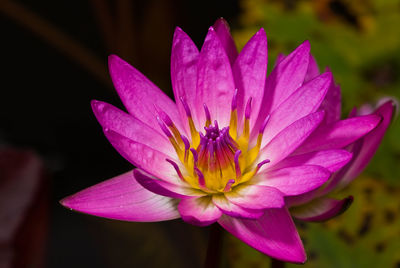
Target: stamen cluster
[{"x": 218, "y": 159}]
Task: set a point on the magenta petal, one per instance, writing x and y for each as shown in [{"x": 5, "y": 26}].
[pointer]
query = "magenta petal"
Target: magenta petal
[
  {"x": 339, "y": 134},
  {"x": 184, "y": 57},
  {"x": 284, "y": 79},
  {"x": 302, "y": 102},
  {"x": 274, "y": 234},
  {"x": 279, "y": 58},
  {"x": 294, "y": 180},
  {"x": 321, "y": 209},
  {"x": 221, "y": 28},
  {"x": 199, "y": 211},
  {"x": 233, "y": 210},
  {"x": 160, "y": 187},
  {"x": 368, "y": 145},
  {"x": 128, "y": 126},
  {"x": 215, "y": 82},
  {"x": 250, "y": 70},
  {"x": 139, "y": 95},
  {"x": 122, "y": 198},
  {"x": 290, "y": 138},
  {"x": 312, "y": 70},
  {"x": 332, "y": 104},
  {"x": 256, "y": 197},
  {"x": 143, "y": 157},
  {"x": 332, "y": 160}
]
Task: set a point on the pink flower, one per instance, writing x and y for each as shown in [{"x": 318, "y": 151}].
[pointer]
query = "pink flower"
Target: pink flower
[{"x": 235, "y": 147}]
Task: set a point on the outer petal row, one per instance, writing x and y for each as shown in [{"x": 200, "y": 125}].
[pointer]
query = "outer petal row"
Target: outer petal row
[
  {"x": 273, "y": 234},
  {"x": 322, "y": 209},
  {"x": 293, "y": 181},
  {"x": 184, "y": 58},
  {"x": 123, "y": 198},
  {"x": 139, "y": 95},
  {"x": 304, "y": 101},
  {"x": 128, "y": 126},
  {"x": 340, "y": 134},
  {"x": 215, "y": 85},
  {"x": 285, "y": 78}
]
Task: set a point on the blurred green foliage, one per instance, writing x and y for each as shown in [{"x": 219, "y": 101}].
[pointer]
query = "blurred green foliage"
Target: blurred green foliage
[
  {"x": 360, "y": 42},
  {"x": 367, "y": 235}
]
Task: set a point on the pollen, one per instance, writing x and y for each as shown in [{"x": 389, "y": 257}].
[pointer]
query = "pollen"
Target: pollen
[{"x": 217, "y": 158}]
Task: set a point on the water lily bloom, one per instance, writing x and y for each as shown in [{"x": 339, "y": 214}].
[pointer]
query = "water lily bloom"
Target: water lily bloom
[{"x": 236, "y": 147}]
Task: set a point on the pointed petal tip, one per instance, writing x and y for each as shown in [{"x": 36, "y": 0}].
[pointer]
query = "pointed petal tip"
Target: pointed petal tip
[
  {"x": 222, "y": 21},
  {"x": 261, "y": 32},
  {"x": 94, "y": 104},
  {"x": 68, "y": 203},
  {"x": 64, "y": 202},
  {"x": 112, "y": 58},
  {"x": 322, "y": 209},
  {"x": 178, "y": 33},
  {"x": 306, "y": 45}
]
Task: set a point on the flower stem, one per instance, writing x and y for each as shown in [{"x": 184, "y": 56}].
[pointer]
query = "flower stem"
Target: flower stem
[
  {"x": 277, "y": 263},
  {"x": 214, "y": 247}
]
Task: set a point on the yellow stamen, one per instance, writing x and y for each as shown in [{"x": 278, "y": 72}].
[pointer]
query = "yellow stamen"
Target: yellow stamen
[
  {"x": 195, "y": 135},
  {"x": 179, "y": 151},
  {"x": 253, "y": 152},
  {"x": 177, "y": 135},
  {"x": 233, "y": 124}
]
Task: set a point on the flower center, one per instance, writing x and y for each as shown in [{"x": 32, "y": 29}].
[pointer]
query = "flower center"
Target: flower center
[{"x": 218, "y": 159}]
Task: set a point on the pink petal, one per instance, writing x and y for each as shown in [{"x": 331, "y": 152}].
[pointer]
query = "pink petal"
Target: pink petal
[
  {"x": 143, "y": 157},
  {"x": 215, "y": 82},
  {"x": 290, "y": 138},
  {"x": 274, "y": 234},
  {"x": 284, "y": 79},
  {"x": 122, "y": 198},
  {"x": 332, "y": 160},
  {"x": 312, "y": 70},
  {"x": 160, "y": 187},
  {"x": 221, "y": 28},
  {"x": 128, "y": 126},
  {"x": 365, "y": 149},
  {"x": 139, "y": 95},
  {"x": 256, "y": 197},
  {"x": 302, "y": 102},
  {"x": 234, "y": 210},
  {"x": 339, "y": 134},
  {"x": 199, "y": 211},
  {"x": 332, "y": 104},
  {"x": 293, "y": 180},
  {"x": 279, "y": 58},
  {"x": 250, "y": 70},
  {"x": 184, "y": 57},
  {"x": 322, "y": 209}
]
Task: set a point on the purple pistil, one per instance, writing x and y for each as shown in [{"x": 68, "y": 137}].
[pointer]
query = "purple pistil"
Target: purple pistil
[
  {"x": 237, "y": 166},
  {"x": 200, "y": 176},
  {"x": 186, "y": 107},
  {"x": 163, "y": 127},
  {"x": 229, "y": 185},
  {"x": 247, "y": 112},
  {"x": 207, "y": 112},
  {"x": 165, "y": 118},
  {"x": 176, "y": 167},
  {"x": 264, "y": 124},
  {"x": 234, "y": 100},
  {"x": 266, "y": 161}
]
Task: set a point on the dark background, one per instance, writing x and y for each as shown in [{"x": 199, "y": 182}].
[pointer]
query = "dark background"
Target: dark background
[
  {"x": 54, "y": 58},
  {"x": 54, "y": 61}
]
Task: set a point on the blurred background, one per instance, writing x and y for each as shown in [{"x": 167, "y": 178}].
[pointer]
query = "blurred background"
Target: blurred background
[{"x": 54, "y": 58}]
